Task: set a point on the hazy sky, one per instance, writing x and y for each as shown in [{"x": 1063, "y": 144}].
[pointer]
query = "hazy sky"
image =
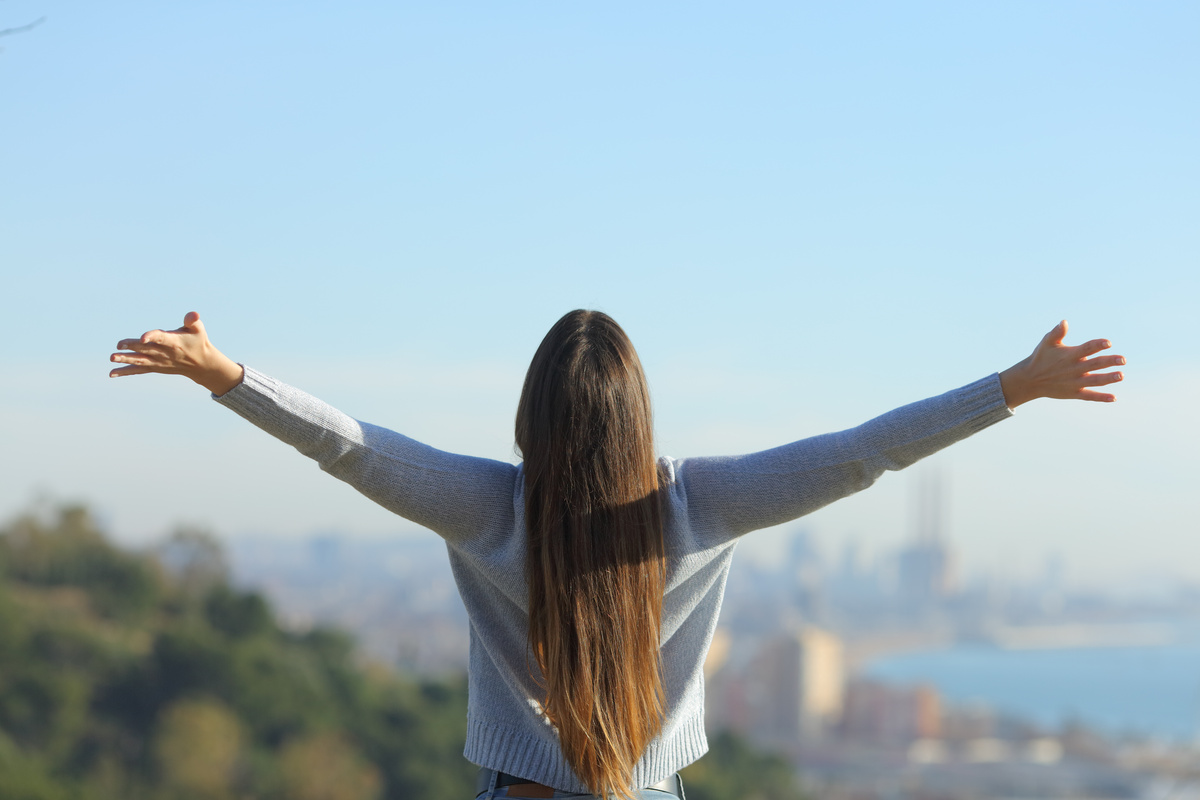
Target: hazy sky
[{"x": 804, "y": 214}]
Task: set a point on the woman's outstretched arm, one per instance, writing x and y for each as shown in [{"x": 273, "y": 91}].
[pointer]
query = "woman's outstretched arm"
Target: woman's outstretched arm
[
  {"x": 730, "y": 496},
  {"x": 467, "y": 500},
  {"x": 184, "y": 351}
]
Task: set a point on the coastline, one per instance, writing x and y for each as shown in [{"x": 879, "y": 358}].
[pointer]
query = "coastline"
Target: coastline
[{"x": 1139, "y": 679}]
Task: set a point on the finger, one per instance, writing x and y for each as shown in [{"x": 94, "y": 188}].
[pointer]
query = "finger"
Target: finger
[
  {"x": 1099, "y": 397},
  {"x": 1056, "y": 334},
  {"x": 192, "y": 324},
  {"x": 1101, "y": 378},
  {"x": 1094, "y": 346},
  {"x": 139, "y": 346},
  {"x": 1103, "y": 362},
  {"x": 134, "y": 358},
  {"x": 122, "y": 371},
  {"x": 154, "y": 337}
]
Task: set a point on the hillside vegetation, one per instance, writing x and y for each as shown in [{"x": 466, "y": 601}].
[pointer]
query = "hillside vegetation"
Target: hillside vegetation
[{"x": 146, "y": 676}]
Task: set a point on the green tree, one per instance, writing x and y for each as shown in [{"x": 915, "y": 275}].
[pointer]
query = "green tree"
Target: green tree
[
  {"x": 70, "y": 550},
  {"x": 14, "y": 629},
  {"x": 238, "y": 615},
  {"x": 197, "y": 748},
  {"x": 326, "y": 767},
  {"x": 280, "y": 690},
  {"x": 732, "y": 770},
  {"x": 190, "y": 660},
  {"x": 42, "y": 710},
  {"x": 195, "y": 559},
  {"x": 25, "y": 778}
]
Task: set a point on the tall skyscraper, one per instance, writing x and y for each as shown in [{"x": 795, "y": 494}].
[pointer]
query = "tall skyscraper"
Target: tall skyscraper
[{"x": 926, "y": 563}]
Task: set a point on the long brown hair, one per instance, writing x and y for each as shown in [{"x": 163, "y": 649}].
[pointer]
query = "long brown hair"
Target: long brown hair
[{"x": 595, "y": 563}]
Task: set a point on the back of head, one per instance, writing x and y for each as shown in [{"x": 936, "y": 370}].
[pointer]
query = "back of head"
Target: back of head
[{"x": 595, "y": 563}]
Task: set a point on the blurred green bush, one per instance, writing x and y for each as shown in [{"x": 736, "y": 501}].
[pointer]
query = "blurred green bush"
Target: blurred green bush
[{"x": 147, "y": 676}]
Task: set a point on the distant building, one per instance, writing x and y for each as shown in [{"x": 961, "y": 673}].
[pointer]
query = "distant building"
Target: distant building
[
  {"x": 926, "y": 571},
  {"x": 969, "y": 722},
  {"x": 882, "y": 712},
  {"x": 805, "y": 572},
  {"x": 793, "y": 687},
  {"x": 925, "y": 567},
  {"x": 718, "y": 652}
]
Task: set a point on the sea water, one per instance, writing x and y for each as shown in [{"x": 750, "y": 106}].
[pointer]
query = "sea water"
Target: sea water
[{"x": 1142, "y": 690}]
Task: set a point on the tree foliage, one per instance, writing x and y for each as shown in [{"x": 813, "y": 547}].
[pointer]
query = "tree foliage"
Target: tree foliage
[
  {"x": 197, "y": 748},
  {"x": 326, "y": 767},
  {"x": 148, "y": 676},
  {"x": 734, "y": 771}
]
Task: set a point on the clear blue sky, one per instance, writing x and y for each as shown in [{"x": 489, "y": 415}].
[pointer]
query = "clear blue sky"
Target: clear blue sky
[{"x": 803, "y": 214}]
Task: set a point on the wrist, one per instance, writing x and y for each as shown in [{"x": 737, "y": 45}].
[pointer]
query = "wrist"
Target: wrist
[
  {"x": 219, "y": 373},
  {"x": 1016, "y": 385}
]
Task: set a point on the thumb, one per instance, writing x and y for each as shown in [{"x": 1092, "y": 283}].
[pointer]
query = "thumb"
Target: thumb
[
  {"x": 191, "y": 321},
  {"x": 1056, "y": 334}
]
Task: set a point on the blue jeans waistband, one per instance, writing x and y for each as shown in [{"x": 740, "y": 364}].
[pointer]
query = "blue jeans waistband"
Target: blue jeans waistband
[{"x": 491, "y": 784}]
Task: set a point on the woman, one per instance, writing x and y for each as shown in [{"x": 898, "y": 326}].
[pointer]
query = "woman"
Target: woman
[{"x": 593, "y": 573}]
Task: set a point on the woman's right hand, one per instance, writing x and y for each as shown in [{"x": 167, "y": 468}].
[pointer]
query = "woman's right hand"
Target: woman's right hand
[{"x": 183, "y": 351}]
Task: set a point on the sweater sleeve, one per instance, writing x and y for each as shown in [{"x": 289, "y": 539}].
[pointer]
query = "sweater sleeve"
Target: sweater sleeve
[
  {"x": 455, "y": 496},
  {"x": 727, "y": 497}
]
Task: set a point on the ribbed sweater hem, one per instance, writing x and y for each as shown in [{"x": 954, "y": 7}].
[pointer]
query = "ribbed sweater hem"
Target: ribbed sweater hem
[{"x": 510, "y": 750}]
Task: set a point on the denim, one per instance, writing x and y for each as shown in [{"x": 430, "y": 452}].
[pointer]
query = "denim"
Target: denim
[{"x": 641, "y": 794}]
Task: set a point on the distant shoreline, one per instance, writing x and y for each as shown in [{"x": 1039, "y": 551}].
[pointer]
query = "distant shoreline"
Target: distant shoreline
[
  {"x": 864, "y": 650},
  {"x": 1120, "y": 679},
  {"x": 1078, "y": 636}
]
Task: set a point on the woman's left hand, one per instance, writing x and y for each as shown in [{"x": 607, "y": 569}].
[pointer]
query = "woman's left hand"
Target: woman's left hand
[{"x": 1060, "y": 371}]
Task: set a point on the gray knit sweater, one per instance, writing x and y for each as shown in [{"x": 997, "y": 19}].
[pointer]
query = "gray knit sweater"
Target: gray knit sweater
[{"x": 477, "y": 506}]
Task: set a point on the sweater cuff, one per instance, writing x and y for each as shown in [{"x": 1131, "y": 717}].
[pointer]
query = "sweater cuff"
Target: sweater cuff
[
  {"x": 993, "y": 397},
  {"x": 254, "y": 388},
  {"x": 984, "y": 401}
]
